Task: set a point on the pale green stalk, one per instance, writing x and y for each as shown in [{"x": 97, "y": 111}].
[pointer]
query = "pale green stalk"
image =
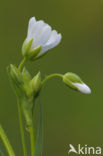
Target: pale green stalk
[
  {"x": 51, "y": 76},
  {"x": 21, "y": 129},
  {"x": 20, "y": 115},
  {"x": 32, "y": 139},
  {"x": 22, "y": 63},
  {"x": 6, "y": 142},
  {"x": 30, "y": 128}
]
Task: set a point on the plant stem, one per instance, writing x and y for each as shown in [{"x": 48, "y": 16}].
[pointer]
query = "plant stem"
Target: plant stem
[
  {"x": 22, "y": 63},
  {"x": 6, "y": 142},
  {"x": 20, "y": 113},
  {"x": 32, "y": 139},
  {"x": 21, "y": 129},
  {"x": 51, "y": 76},
  {"x": 31, "y": 128}
]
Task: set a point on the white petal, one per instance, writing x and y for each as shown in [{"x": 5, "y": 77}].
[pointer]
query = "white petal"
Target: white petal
[
  {"x": 36, "y": 29},
  {"x": 44, "y": 35},
  {"x": 52, "y": 42},
  {"x": 82, "y": 88},
  {"x": 54, "y": 38},
  {"x": 32, "y": 21},
  {"x": 36, "y": 32}
]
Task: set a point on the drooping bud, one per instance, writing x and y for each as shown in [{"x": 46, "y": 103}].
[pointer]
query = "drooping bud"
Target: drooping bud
[
  {"x": 29, "y": 52},
  {"x": 74, "y": 81},
  {"x": 36, "y": 83}
]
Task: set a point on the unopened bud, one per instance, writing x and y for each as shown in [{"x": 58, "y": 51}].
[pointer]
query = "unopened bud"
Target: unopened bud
[
  {"x": 36, "y": 83},
  {"x": 74, "y": 81},
  {"x": 15, "y": 74},
  {"x": 26, "y": 75}
]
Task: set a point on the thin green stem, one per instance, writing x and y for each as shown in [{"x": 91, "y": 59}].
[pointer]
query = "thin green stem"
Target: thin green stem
[
  {"x": 51, "y": 76},
  {"x": 32, "y": 139},
  {"x": 31, "y": 128},
  {"x": 20, "y": 114},
  {"x": 6, "y": 142},
  {"x": 22, "y": 63},
  {"x": 22, "y": 130}
]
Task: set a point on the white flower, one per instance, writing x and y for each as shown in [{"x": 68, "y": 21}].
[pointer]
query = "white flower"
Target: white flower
[
  {"x": 42, "y": 35},
  {"x": 82, "y": 87}
]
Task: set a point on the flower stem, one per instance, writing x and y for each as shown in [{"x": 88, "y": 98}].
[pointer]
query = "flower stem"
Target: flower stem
[
  {"x": 32, "y": 139},
  {"x": 51, "y": 76},
  {"x": 21, "y": 129},
  {"x": 20, "y": 113},
  {"x": 6, "y": 142},
  {"x": 22, "y": 63},
  {"x": 30, "y": 128}
]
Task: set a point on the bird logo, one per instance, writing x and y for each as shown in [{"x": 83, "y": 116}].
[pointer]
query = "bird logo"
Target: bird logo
[{"x": 72, "y": 149}]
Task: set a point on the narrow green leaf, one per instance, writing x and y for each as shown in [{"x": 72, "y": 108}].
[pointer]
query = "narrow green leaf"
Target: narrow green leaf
[
  {"x": 39, "y": 136},
  {"x": 6, "y": 142},
  {"x": 2, "y": 152}
]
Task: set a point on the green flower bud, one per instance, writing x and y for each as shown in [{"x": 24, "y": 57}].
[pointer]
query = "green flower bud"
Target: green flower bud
[
  {"x": 26, "y": 83},
  {"x": 36, "y": 83},
  {"x": 29, "y": 52},
  {"x": 15, "y": 74},
  {"x": 26, "y": 75},
  {"x": 16, "y": 80},
  {"x": 74, "y": 81}
]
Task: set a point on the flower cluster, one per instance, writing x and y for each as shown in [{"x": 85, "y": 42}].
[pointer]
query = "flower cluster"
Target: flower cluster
[{"x": 40, "y": 38}]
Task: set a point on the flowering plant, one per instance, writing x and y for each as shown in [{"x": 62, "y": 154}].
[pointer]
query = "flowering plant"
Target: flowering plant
[{"x": 40, "y": 38}]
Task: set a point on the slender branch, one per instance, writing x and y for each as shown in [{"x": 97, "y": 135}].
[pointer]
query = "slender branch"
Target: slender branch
[
  {"x": 6, "y": 142},
  {"x": 22, "y": 63},
  {"x": 26, "y": 107},
  {"x": 20, "y": 114},
  {"x": 30, "y": 128},
  {"x": 22, "y": 130},
  {"x": 32, "y": 139},
  {"x": 51, "y": 76}
]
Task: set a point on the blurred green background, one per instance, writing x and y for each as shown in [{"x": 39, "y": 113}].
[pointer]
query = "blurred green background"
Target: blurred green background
[{"x": 68, "y": 116}]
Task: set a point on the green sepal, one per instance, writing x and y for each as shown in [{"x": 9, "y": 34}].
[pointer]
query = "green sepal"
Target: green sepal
[
  {"x": 33, "y": 53},
  {"x": 15, "y": 74},
  {"x": 16, "y": 80},
  {"x": 28, "y": 51},
  {"x": 26, "y": 47},
  {"x": 40, "y": 56},
  {"x": 26, "y": 75},
  {"x": 36, "y": 83}
]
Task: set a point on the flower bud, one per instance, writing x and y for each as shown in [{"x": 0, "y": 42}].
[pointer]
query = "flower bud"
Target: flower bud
[
  {"x": 15, "y": 74},
  {"x": 36, "y": 83},
  {"x": 26, "y": 75},
  {"x": 74, "y": 81},
  {"x": 29, "y": 52}
]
